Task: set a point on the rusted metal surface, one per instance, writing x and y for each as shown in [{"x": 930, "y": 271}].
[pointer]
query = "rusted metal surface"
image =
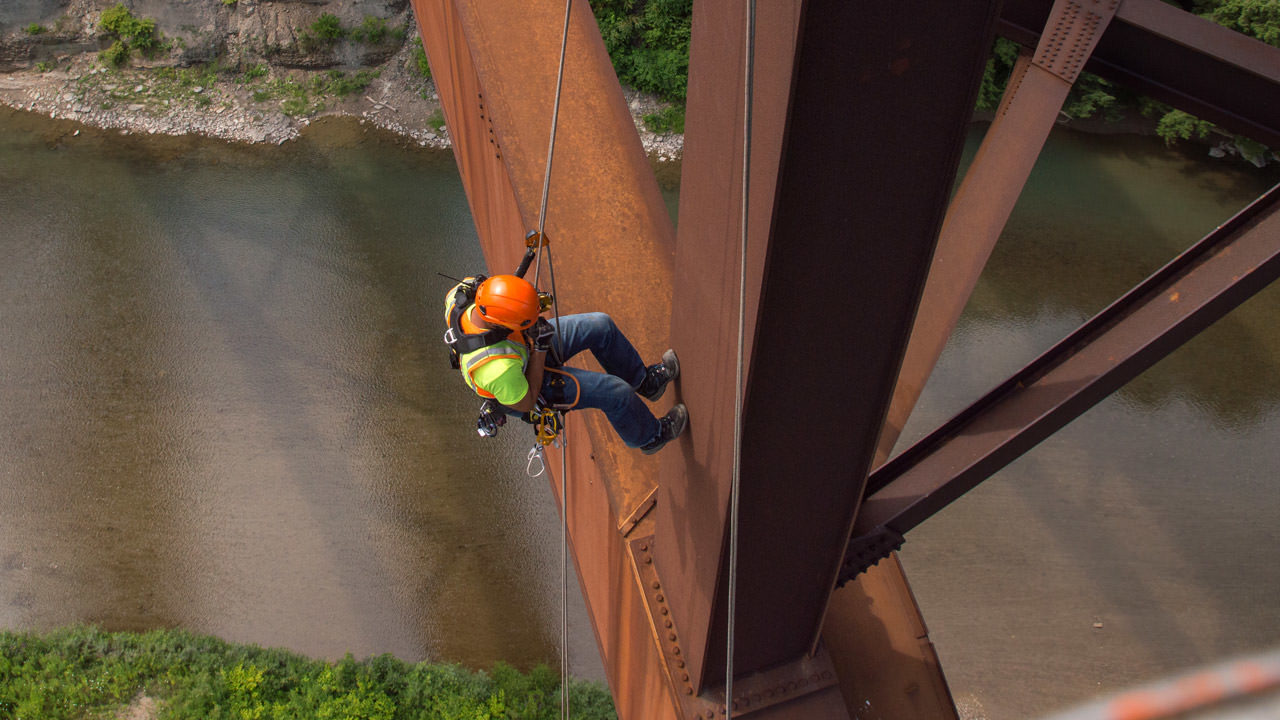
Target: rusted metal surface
[
  {"x": 991, "y": 186},
  {"x": 880, "y": 647},
  {"x": 1186, "y": 61},
  {"x": 612, "y": 241},
  {"x": 841, "y": 219},
  {"x": 755, "y": 695},
  {"x": 852, "y": 228},
  {"x": 1173, "y": 305}
]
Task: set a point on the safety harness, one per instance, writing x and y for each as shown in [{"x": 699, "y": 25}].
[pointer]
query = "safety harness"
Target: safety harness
[
  {"x": 474, "y": 350},
  {"x": 461, "y": 342}
]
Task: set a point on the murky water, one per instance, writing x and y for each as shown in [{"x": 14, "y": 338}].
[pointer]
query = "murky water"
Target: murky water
[
  {"x": 1155, "y": 515},
  {"x": 224, "y": 405}
]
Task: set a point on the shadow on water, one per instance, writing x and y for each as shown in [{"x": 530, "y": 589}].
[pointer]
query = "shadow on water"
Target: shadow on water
[
  {"x": 1148, "y": 516},
  {"x": 224, "y": 406},
  {"x": 256, "y": 328},
  {"x": 1099, "y": 215},
  {"x": 88, "y": 525}
]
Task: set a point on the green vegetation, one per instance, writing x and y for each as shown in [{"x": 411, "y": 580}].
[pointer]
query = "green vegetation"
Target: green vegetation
[
  {"x": 337, "y": 82},
  {"x": 328, "y": 27},
  {"x": 1256, "y": 18},
  {"x": 131, "y": 34},
  {"x": 1092, "y": 96},
  {"x": 86, "y": 673},
  {"x": 648, "y": 41},
  {"x": 307, "y": 98},
  {"x": 35, "y": 29},
  {"x": 436, "y": 121},
  {"x": 252, "y": 73},
  {"x": 324, "y": 33},
  {"x": 373, "y": 30},
  {"x": 420, "y": 59},
  {"x": 667, "y": 120}
]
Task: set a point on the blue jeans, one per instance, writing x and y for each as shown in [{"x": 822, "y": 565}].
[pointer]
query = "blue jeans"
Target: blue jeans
[{"x": 613, "y": 391}]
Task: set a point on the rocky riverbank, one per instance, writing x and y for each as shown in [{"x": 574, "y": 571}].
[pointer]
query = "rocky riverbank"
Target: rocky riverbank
[{"x": 254, "y": 71}]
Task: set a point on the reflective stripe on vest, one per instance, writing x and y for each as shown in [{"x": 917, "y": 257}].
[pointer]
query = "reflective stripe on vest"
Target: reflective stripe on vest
[{"x": 472, "y": 362}]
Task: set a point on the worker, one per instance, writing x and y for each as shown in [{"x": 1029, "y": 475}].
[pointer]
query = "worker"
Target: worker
[{"x": 504, "y": 347}]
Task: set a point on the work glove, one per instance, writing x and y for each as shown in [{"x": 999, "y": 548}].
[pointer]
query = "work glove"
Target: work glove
[{"x": 540, "y": 335}]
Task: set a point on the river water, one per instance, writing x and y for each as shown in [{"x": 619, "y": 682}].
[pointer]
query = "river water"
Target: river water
[{"x": 224, "y": 406}]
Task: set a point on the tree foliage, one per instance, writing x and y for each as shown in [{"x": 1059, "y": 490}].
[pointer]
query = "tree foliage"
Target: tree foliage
[
  {"x": 1256, "y": 18},
  {"x": 81, "y": 672},
  {"x": 1092, "y": 95},
  {"x": 131, "y": 34},
  {"x": 648, "y": 41}
]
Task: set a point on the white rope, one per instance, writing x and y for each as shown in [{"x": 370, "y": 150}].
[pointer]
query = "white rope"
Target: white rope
[
  {"x": 551, "y": 143},
  {"x": 564, "y": 522},
  {"x": 735, "y": 487},
  {"x": 564, "y": 477}
]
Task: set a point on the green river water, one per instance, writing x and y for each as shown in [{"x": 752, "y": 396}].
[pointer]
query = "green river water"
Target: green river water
[{"x": 224, "y": 406}]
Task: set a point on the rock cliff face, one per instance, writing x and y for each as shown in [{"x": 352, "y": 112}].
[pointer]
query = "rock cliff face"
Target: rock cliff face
[
  {"x": 248, "y": 70},
  {"x": 251, "y": 70},
  {"x": 239, "y": 31}
]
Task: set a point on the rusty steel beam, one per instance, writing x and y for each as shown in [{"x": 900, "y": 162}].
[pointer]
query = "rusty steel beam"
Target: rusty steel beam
[
  {"x": 977, "y": 215},
  {"x": 843, "y": 234},
  {"x": 494, "y": 63},
  {"x": 1178, "y": 58},
  {"x": 494, "y": 68},
  {"x": 1197, "y": 288}
]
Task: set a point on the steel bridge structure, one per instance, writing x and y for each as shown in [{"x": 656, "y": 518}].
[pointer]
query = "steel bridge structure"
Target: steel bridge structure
[{"x": 859, "y": 117}]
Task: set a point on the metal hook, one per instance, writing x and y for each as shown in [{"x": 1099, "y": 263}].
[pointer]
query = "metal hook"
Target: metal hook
[{"x": 535, "y": 453}]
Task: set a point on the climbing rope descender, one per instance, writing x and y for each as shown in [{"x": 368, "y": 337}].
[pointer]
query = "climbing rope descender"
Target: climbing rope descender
[{"x": 547, "y": 424}]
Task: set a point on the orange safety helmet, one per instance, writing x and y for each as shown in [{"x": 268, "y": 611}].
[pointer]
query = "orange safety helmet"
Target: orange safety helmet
[{"x": 509, "y": 301}]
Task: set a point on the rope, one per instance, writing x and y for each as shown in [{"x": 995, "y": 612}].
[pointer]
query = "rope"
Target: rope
[
  {"x": 735, "y": 487},
  {"x": 564, "y": 474},
  {"x": 551, "y": 143},
  {"x": 564, "y": 522}
]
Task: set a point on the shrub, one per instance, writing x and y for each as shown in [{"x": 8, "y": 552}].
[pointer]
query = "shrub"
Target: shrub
[
  {"x": 253, "y": 72},
  {"x": 328, "y": 27},
  {"x": 35, "y": 29},
  {"x": 116, "y": 55},
  {"x": 1178, "y": 125},
  {"x": 336, "y": 82},
  {"x": 372, "y": 31},
  {"x": 83, "y": 672},
  {"x": 131, "y": 34},
  {"x": 667, "y": 120},
  {"x": 648, "y": 43},
  {"x": 420, "y": 59},
  {"x": 1251, "y": 17}
]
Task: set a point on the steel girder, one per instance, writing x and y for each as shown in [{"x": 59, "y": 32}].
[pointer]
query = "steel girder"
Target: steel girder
[
  {"x": 1175, "y": 57},
  {"x": 977, "y": 215},
  {"x": 494, "y": 64},
  {"x": 849, "y": 187},
  {"x": 1152, "y": 55},
  {"x": 1197, "y": 288},
  {"x": 494, "y": 68},
  {"x": 494, "y": 72}
]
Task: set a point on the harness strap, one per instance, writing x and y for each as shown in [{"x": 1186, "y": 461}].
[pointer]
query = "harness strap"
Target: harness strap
[{"x": 461, "y": 341}]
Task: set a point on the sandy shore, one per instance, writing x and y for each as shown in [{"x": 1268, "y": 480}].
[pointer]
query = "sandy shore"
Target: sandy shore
[{"x": 252, "y": 109}]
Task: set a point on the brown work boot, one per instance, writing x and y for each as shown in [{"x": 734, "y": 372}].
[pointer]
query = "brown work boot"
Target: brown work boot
[
  {"x": 657, "y": 377},
  {"x": 670, "y": 427}
]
